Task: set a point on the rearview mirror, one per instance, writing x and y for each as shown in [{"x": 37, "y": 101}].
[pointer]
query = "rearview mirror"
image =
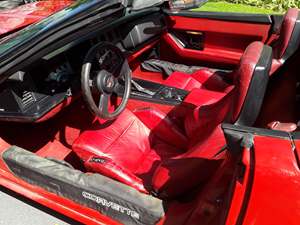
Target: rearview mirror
[{"x": 186, "y": 4}]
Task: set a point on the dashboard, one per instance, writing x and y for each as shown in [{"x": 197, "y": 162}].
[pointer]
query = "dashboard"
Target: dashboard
[
  {"x": 30, "y": 94},
  {"x": 27, "y": 96}
]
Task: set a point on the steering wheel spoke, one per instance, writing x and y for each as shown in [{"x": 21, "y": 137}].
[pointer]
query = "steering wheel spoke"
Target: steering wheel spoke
[
  {"x": 124, "y": 69},
  {"x": 104, "y": 103}
]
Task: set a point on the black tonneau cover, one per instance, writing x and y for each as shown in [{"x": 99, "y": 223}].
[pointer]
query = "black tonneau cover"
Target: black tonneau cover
[{"x": 114, "y": 199}]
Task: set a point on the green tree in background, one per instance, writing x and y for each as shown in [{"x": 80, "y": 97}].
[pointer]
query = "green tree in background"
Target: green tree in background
[{"x": 276, "y": 5}]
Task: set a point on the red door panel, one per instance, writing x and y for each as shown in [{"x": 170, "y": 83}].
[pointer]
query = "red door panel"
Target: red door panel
[{"x": 223, "y": 41}]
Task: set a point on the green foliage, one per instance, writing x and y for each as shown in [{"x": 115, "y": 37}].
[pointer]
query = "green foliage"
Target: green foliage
[
  {"x": 276, "y": 5},
  {"x": 222, "y": 6}
]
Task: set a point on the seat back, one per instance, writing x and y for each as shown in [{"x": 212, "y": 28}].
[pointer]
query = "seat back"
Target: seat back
[
  {"x": 241, "y": 106},
  {"x": 242, "y": 103},
  {"x": 288, "y": 41},
  {"x": 250, "y": 81},
  {"x": 212, "y": 111}
]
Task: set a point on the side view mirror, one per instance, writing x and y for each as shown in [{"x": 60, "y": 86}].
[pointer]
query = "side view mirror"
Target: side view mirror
[{"x": 186, "y": 4}]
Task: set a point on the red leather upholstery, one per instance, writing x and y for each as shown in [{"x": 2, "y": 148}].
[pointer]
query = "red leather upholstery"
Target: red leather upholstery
[
  {"x": 162, "y": 126},
  {"x": 210, "y": 80},
  {"x": 286, "y": 32},
  {"x": 204, "y": 78},
  {"x": 148, "y": 151},
  {"x": 133, "y": 150},
  {"x": 281, "y": 48},
  {"x": 182, "y": 81},
  {"x": 213, "y": 110},
  {"x": 179, "y": 174},
  {"x": 286, "y": 127},
  {"x": 243, "y": 75},
  {"x": 126, "y": 151},
  {"x": 129, "y": 152}
]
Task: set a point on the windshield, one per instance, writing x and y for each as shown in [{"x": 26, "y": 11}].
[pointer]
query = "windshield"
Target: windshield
[
  {"x": 29, "y": 33},
  {"x": 142, "y": 4}
]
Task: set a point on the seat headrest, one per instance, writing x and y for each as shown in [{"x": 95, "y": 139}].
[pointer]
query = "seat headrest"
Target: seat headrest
[
  {"x": 250, "y": 80},
  {"x": 289, "y": 40}
]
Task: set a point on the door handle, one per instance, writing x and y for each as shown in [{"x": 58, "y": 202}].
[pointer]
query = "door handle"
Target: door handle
[{"x": 191, "y": 39}]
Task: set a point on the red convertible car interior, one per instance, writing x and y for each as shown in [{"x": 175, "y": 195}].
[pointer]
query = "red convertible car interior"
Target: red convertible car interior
[
  {"x": 162, "y": 152},
  {"x": 132, "y": 112}
]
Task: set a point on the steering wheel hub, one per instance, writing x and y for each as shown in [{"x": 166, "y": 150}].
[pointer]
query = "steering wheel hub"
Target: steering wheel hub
[{"x": 105, "y": 82}]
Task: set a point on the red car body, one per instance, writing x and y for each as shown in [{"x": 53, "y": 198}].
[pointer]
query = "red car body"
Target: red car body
[
  {"x": 273, "y": 176},
  {"x": 14, "y": 19},
  {"x": 258, "y": 181}
]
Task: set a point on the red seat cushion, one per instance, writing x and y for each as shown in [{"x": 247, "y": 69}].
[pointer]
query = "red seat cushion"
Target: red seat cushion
[
  {"x": 182, "y": 81},
  {"x": 162, "y": 126},
  {"x": 181, "y": 173},
  {"x": 204, "y": 78},
  {"x": 126, "y": 151}
]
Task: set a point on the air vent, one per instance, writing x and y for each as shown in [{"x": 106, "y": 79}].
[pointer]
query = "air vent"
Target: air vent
[{"x": 27, "y": 99}]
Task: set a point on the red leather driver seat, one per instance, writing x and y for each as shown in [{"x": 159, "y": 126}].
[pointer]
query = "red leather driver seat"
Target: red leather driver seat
[{"x": 171, "y": 160}]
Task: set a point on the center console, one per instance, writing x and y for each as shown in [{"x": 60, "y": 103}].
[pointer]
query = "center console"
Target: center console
[{"x": 154, "y": 92}]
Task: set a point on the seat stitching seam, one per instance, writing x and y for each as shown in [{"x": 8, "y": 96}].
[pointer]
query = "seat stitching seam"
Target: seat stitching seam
[{"x": 123, "y": 132}]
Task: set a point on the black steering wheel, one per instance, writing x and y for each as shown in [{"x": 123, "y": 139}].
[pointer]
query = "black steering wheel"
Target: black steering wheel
[{"x": 104, "y": 68}]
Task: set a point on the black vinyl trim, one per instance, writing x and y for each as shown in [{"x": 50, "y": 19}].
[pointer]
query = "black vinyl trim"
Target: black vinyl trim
[
  {"x": 257, "y": 89},
  {"x": 236, "y": 139},
  {"x": 294, "y": 42},
  {"x": 234, "y": 17},
  {"x": 294, "y": 148},
  {"x": 158, "y": 93},
  {"x": 36, "y": 111},
  {"x": 276, "y": 24},
  {"x": 296, "y": 135},
  {"x": 111, "y": 198},
  {"x": 256, "y": 131}
]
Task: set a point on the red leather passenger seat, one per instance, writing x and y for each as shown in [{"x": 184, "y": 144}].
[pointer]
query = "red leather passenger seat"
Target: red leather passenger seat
[
  {"x": 204, "y": 78},
  {"x": 209, "y": 79},
  {"x": 146, "y": 150}
]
